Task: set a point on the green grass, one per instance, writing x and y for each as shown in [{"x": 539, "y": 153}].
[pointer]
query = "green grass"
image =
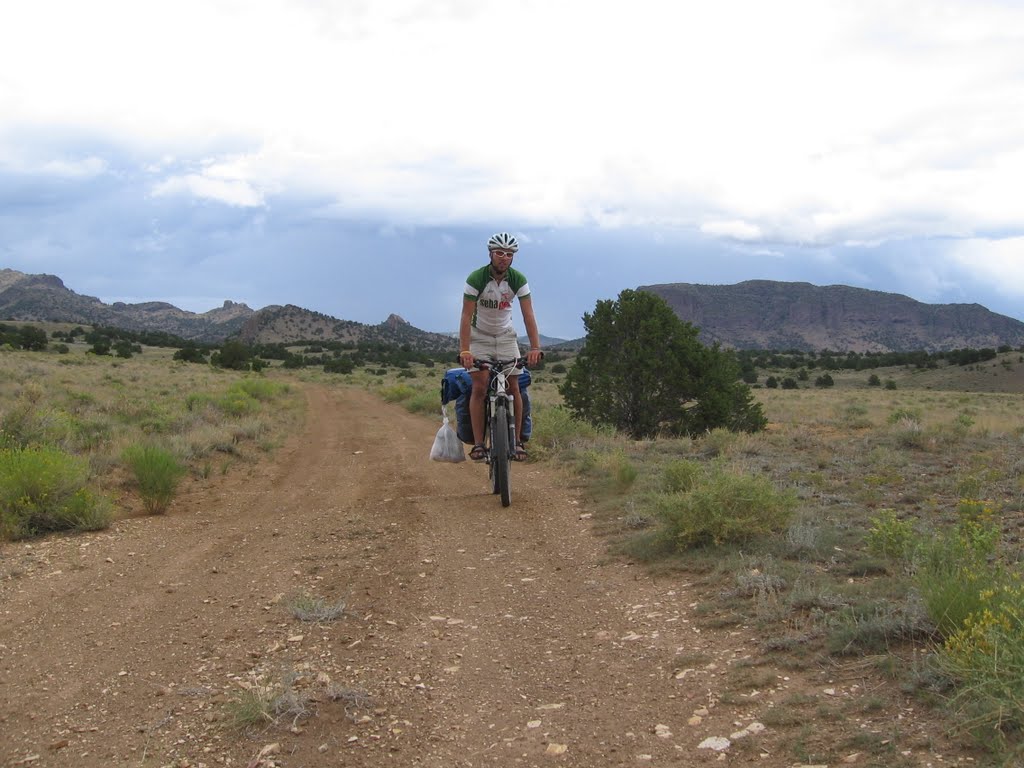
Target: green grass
[
  {"x": 157, "y": 472},
  {"x": 723, "y": 506}
]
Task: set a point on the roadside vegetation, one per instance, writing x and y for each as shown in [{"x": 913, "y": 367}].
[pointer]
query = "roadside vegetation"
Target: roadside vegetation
[
  {"x": 866, "y": 525},
  {"x": 86, "y": 438}
]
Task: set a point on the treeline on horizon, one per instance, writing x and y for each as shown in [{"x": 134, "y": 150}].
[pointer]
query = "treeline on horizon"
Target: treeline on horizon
[
  {"x": 829, "y": 360},
  {"x": 344, "y": 356}
]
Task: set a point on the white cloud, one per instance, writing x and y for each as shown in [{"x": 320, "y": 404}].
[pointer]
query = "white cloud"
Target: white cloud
[
  {"x": 78, "y": 169},
  {"x": 999, "y": 263},
  {"x": 738, "y": 230},
  {"x": 230, "y": 192},
  {"x": 801, "y": 121}
]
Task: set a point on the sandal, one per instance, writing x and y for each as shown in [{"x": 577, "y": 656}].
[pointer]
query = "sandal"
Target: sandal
[
  {"x": 479, "y": 453},
  {"x": 520, "y": 453}
]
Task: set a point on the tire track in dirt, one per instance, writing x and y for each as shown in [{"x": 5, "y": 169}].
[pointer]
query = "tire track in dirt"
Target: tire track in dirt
[{"x": 473, "y": 635}]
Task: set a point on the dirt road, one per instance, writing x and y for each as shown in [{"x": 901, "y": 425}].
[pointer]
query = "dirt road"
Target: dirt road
[{"x": 473, "y": 635}]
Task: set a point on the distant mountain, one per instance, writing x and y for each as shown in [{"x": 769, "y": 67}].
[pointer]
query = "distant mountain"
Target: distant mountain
[
  {"x": 277, "y": 325},
  {"x": 547, "y": 342},
  {"x": 45, "y": 298},
  {"x": 764, "y": 314}
]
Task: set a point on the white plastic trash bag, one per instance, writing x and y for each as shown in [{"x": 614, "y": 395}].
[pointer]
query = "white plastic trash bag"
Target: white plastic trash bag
[{"x": 447, "y": 446}]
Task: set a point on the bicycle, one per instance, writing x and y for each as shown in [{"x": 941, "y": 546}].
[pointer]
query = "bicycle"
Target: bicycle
[{"x": 500, "y": 425}]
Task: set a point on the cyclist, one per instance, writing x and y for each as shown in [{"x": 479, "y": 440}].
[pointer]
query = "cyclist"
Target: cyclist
[{"x": 486, "y": 332}]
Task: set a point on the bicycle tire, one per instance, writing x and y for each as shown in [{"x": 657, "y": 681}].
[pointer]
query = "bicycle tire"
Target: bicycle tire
[
  {"x": 488, "y": 431},
  {"x": 491, "y": 474},
  {"x": 501, "y": 458}
]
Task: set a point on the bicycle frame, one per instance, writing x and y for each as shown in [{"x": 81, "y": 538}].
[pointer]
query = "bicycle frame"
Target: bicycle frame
[{"x": 500, "y": 438}]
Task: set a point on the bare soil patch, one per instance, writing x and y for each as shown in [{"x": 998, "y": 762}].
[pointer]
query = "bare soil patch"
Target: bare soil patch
[{"x": 472, "y": 634}]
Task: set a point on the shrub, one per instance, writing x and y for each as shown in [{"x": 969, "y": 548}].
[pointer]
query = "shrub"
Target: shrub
[
  {"x": 680, "y": 476},
  {"x": 157, "y": 472},
  {"x": 717, "y": 442},
  {"x": 557, "y": 428},
  {"x": 902, "y": 415},
  {"x": 236, "y": 402},
  {"x": 43, "y": 489},
  {"x": 339, "y": 365},
  {"x": 397, "y": 393},
  {"x": 854, "y": 416},
  {"x": 27, "y": 424},
  {"x": 986, "y": 658},
  {"x": 191, "y": 354},
  {"x": 258, "y": 389},
  {"x": 909, "y": 434},
  {"x": 891, "y": 537},
  {"x": 873, "y": 629},
  {"x": 425, "y": 402},
  {"x": 197, "y": 401},
  {"x": 234, "y": 355},
  {"x": 622, "y": 471},
  {"x": 724, "y": 507},
  {"x": 32, "y": 338},
  {"x": 957, "y": 569}
]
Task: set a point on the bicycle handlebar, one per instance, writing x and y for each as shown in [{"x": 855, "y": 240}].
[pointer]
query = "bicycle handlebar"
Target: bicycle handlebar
[
  {"x": 486, "y": 365},
  {"x": 491, "y": 365}
]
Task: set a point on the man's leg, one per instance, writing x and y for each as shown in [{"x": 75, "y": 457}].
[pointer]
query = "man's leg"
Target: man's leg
[
  {"x": 519, "y": 453},
  {"x": 476, "y": 404},
  {"x": 513, "y": 389}
]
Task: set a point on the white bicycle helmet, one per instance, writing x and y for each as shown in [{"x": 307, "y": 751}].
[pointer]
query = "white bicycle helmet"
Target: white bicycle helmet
[{"x": 503, "y": 241}]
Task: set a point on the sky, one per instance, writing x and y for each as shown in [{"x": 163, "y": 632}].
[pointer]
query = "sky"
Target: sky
[{"x": 352, "y": 157}]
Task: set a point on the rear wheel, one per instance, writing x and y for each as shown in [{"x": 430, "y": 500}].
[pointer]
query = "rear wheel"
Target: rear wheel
[{"x": 501, "y": 458}]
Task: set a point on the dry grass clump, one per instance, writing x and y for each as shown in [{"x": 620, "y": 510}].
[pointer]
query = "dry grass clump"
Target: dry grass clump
[
  {"x": 264, "y": 703},
  {"x": 305, "y": 607}
]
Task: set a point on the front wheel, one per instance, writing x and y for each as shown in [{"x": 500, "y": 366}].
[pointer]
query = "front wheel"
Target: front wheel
[{"x": 501, "y": 458}]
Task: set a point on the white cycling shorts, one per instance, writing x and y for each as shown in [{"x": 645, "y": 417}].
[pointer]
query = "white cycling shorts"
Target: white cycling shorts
[{"x": 504, "y": 346}]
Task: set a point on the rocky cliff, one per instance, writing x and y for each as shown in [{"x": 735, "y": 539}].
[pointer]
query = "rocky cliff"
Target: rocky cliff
[{"x": 765, "y": 314}]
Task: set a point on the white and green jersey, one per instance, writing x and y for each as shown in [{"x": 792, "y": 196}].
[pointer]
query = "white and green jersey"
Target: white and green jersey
[{"x": 493, "y": 299}]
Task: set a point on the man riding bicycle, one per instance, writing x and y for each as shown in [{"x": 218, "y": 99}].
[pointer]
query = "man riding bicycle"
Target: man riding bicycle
[{"x": 486, "y": 332}]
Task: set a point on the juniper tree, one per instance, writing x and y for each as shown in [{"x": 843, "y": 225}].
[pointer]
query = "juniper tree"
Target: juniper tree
[{"x": 643, "y": 371}]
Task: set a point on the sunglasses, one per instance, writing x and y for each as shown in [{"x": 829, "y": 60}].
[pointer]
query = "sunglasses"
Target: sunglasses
[{"x": 503, "y": 254}]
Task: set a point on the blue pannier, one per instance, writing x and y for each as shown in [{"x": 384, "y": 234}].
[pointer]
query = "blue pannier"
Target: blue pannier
[{"x": 457, "y": 385}]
